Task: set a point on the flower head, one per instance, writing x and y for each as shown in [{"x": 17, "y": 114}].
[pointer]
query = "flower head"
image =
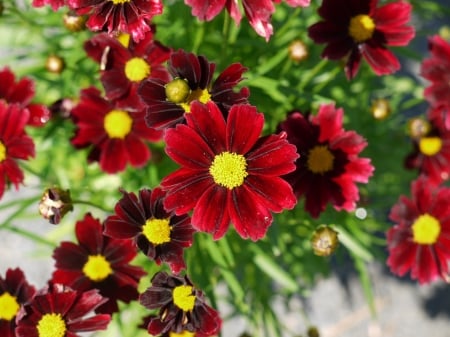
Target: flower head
[
  {"x": 159, "y": 234},
  {"x": 115, "y": 16},
  {"x": 124, "y": 64},
  {"x": 431, "y": 150},
  {"x": 55, "y": 4},
  {"x": 258, "y": 12},
  {"x": 181, "y": 306},
  {"x": 22, "y": 92},
  {"x": 436, "y": 69},
  {"x": 14, "y": 292},
  {"x": 116, "y": 136},
  {"x": 60, "y": 311},
  {"x": 355, "y": 29},
  {"x": 420, "y": 240},
  {"x": 14, "y": 144},
  {"x": 168, "y": 102},
  {"x": 329, "y": 165},
  {"x": 228, "y": 173},
  {"x": 54, "y": 204},
  {"x": 98, "y": 262}
]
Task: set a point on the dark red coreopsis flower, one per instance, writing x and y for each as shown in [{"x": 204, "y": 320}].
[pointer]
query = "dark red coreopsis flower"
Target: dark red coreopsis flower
[
  {"x": 431, "y": 150},
  {"x": 98, "y": 262},
  {"x": 63, "y": 312},
  {"x": 124, "y": 64},
  {"x": 358, "y": 28},
  {"x": 228, "y": 173},
  {"x": 258, "y": 12},
  {"x": 15, "y": 291},
  {"x": 329, "y": 165},
  {"x": 55, "y": 4},
  {"x": 117, "y": 137},
  {"x": 436, "y": 69},
  {"x": 22, "y": 93},
  {"x": 181, "y": 306},
  {"x": 118, "y": 16},
  {"x": 420, "y": 240},
  {"x": 168, "y": 102},
  {"x": 159, "y": 234},
  {"x": 15, "y": 144}
]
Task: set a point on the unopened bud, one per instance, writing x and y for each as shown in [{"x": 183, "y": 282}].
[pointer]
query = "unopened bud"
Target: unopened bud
[
  {"x": 313, "y": 332},
  {"x": 54, "y": 64},
  {"x": 177, "y": 91},
  {"x": 54, "y": 204},
  {"x": 74, "y": 22},
  {"x": 297, "y": 51},
  {"x": 418, "y": 127},
  {"x": 380, "y": 108},
  {"x": 324, "y": 241}
]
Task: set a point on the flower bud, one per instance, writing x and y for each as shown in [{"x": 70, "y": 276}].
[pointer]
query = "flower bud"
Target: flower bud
[
  {"x": 74, "y": 22},
  {"x": 313, "y": 332},
  {"x": 418, "y": 127},
  {"x": 177, "y": 91},
  {"x": 54, "y": 204},
  {"x": 297, "y": 51},
  {"x": 380, "y": 108},
  {"x": 324, "y": 241},
  {"x": 54, "y": 64}
]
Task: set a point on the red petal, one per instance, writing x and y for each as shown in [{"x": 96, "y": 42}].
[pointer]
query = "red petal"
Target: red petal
[{"x": 240, "y": 136}]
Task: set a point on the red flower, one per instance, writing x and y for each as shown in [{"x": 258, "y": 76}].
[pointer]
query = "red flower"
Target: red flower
[
  {"x": 125, "y": 16},
  {"x": 124, "y": 64},
  {"x": 14, "y": 144},
  {"x": 228, "y": 173},
  {"x": 436, "y": 69},
  {"x": 420, "y": 240},
  {"x": 181, "y": 306},
  {"x": 54, "y": 3},
  {"x": 431, "y": 151},
  {"x": 14, "y": 292},
  {"x": 329, "y": 166},
  {"x": 98, "y": 262},
  {"x": 117, "y": 136},
  {"x": 352, "y": 29},
  {"x": 167, "y": 103},
  {"x": 159, "y": 234},
  {"x": 22, "y": 92},
  {"x": 59, "y": 311},
  {"x": 258, "y": 12}
]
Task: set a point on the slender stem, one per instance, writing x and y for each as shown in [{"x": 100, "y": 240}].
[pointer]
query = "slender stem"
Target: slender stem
[
  {"x": 25, "y": 204},
  {"x": 85, "y": 202},
  {"x": 309, "y": 76},
  {"x": 29, "y": 235}
]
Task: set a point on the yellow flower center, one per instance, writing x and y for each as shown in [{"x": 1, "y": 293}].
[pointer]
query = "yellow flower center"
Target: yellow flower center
[
  {"x": 183, "y": 298},
  {"x": 117, "y": 124},
  {"x": 136, "y": 69},
  {"x": 118, "y": 2},
  {"x": 8, "y": 306},
  {"x": 184, "y": 333},
  {"x": 430, "y": 146},
  {"x": 201, "y": 95},
  {"x": 361, "y": 28},
  {"x": 97, "y": 268},
  {"x": 320, "y": 159},
  {"x": 157, "y": 231},
  {"x": 51, "y": 325},
  {"x": 426, "y": 229},
  {"x": 229, "y": 169},
  {"x": 2, "y": 152},
  {"x": 124, "y": 39}
]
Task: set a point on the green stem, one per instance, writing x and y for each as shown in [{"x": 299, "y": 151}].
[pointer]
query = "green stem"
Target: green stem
[
  {"x": 89, "y": 203},
  {"x": 309, "y": 76},
  {"x": 29, "y": 235},
  {"x": 25, "y": 204}
]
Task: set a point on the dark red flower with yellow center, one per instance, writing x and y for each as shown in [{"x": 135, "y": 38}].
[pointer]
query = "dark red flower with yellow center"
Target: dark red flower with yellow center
[
  {"x": 22, "y": 93},
  {"x": 431, "y": 150},
  {"x": 420, "y": 240},
  {"x": 258, "y": 12},
  {"x": 14, "y": 292},
  {"x": 14, "y": 144},
  {"x": 61, "y": 312},
  {"x": 228, "y": 173},
  {"x": 159, "y": 234},
  {"x": 116, "y": 136},
  {"x": 181, "y": 306},
  {"x": 124, "y": 64},
  {"x": 436, "y": 69},
  {"x": 329, "y": 166},
  {"x": 168, "y": 102},
  {"x": 355, "y": 29},
  {"x": 98, "y": 262},
  {"x": 118, "y": 16}
]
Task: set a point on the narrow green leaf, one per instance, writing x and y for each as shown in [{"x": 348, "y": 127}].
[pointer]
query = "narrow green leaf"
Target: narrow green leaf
[{"x": 353, "y": 246}]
